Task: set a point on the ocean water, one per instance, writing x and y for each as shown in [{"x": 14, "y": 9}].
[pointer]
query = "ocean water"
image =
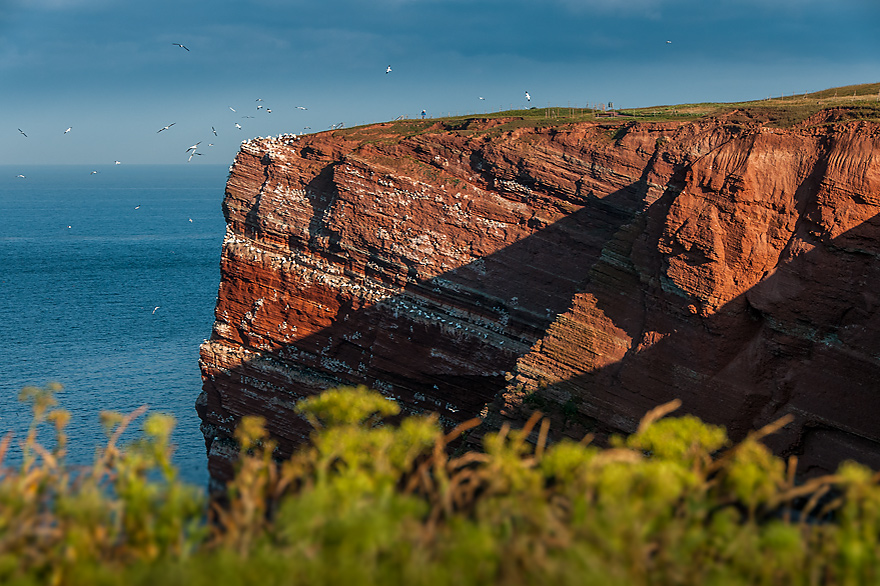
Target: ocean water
[{"x": 108, "y": 284}]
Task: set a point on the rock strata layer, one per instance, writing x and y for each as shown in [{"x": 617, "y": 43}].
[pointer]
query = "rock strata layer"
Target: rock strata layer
[{"x": 592, "y": 270}]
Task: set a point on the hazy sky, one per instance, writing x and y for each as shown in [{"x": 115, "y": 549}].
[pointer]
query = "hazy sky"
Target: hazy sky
[{"x": 110, "y": 70}]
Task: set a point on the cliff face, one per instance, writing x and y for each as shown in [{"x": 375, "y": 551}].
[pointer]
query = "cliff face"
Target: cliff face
[{"x": 591, "y": 270}]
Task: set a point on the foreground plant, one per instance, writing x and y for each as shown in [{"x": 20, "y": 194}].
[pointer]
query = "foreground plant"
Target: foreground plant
[
  {"x": 369, "y": 502},
  {"x": 127, "y": 507}
]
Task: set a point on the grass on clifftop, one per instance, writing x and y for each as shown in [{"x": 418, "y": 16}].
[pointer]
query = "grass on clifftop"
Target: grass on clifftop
[
  {"x": 373, "y": 503},
  {"x": 848, "y": 103},
  {"x": 857, "y": 102}
]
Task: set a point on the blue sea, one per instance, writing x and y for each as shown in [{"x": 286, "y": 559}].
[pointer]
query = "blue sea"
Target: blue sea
[{"x": 108, "y": 284}]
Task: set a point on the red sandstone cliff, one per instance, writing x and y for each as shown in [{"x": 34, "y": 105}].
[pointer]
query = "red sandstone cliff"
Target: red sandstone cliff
[{"x": 591, "y": 270}]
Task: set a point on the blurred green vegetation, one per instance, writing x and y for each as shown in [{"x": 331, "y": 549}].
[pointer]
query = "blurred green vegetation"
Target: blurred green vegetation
[{"x": 370, "y": 502}]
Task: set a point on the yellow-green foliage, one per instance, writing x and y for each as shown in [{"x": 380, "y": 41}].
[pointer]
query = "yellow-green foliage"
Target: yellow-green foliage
[
  {"x": 369, "y": 502},
  {"x": 126, "y": 508}
]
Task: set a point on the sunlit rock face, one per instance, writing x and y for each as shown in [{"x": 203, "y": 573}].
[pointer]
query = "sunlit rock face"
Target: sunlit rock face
[{"x": 592, "y": 270}]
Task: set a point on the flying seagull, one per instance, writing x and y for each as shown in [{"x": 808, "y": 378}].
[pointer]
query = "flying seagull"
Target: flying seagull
[
  {"x": 528, "y": 97},
  {"x": 301, "y": 108},
  {"x": 179, "y": 45},
  {"x": 117, "y": 162},
  {"x": 93, "y": 173},
  {"x": 68, "y": 130},
  {"x": 237, "y": 125},
  {"x": 166, "y": 127},
  {"x": 193, "y": 147},
  {"x": 388, "y": 69},
  {"x": 214, "y": 131},
  {"x": 231, "y": 108},
  {"x": 668, "y": 42},
  {"x": 21, "y": 176},
  {"x": 191, "y": 155},
  {"x": 22, "y": 131},
  {"x": 154, "y": 309}
]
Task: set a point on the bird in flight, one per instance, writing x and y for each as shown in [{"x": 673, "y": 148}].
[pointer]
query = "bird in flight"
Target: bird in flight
[
  {"x": 93, "y": 173},
  {"x": 117, "y": 162},
  {"x": 22, "y": 131},
  {"x": 668, "y": 42},
  {"x": 388, "y": 69},
  {"x": 137, "y": 207},
  {"x": 193, "y": 147},
  {"x": 214, "y": 131},
  {"x": 179, "y": 45},
  {"x": 528, "y": 97},
  {"x": 482, "y": 98},
  {"x": 68, "y": 130},
  {"x": 231, "y": 108},
  {"x": 301, "y": 108},
  {"x": 166, "y": 127},
  {"x": 237, "y": 125},
  {"x": 154, "y": 309},
  {"x": 191, "y": 155},
  {"x": 21, "y": 176}
]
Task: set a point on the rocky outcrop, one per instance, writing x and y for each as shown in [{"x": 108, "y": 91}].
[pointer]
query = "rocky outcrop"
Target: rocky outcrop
[{"x": 592, "y": 270}]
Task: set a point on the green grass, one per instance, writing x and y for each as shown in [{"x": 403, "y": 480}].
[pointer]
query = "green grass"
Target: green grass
[
  {"x": 847, "y": 103},
  {"x": 856, "y": 102}
]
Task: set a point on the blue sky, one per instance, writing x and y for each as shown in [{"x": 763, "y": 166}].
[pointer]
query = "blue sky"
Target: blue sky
[{"x": 109, "y": 68}]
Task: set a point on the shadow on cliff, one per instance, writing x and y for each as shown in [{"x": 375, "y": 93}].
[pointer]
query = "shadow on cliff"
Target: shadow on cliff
[
  {"x": 441, "y": 344},
  {"x": 802, "y": 341}
]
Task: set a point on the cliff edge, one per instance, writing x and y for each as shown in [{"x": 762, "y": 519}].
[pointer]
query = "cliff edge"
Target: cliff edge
[{"x": 595, "y": 269}]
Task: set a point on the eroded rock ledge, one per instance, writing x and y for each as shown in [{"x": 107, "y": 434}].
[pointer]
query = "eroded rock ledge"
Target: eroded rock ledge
[{"x": 591, "y": 270}]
